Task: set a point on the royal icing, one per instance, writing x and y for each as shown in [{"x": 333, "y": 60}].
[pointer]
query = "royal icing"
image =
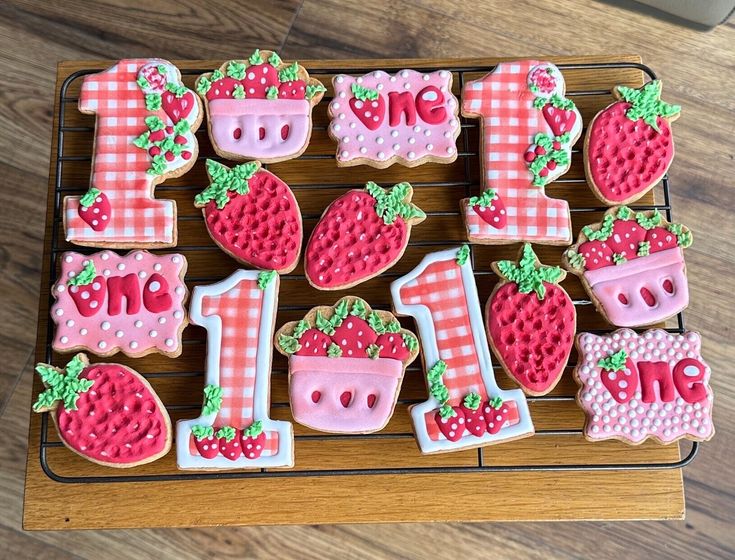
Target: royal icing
[
  {"x": 409, "y": 117},
  {"x": 107, "y": 303},
  {"x": 440, "y": 294},
  {"x": 146, "y": 120},
  {"x": 107, "y": 413},
  {"x": 635, "y": 386},
  {"x": 234, "y": 430},
  {"x": 527, "y": 133},
  {"x": 259, "y": 108}
]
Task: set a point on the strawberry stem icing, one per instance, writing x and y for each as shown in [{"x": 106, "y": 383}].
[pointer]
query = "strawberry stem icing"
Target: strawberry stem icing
[
  {"x": 646, "y": 104},
  {"x": 529, "y": 273},
  {"x": 64, "y": 387}
]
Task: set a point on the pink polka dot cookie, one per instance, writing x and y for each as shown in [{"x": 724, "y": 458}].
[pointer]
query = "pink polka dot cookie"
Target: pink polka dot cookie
[
  {"x": 409, "y": 118},
  {"x": 639, "y": 386},
  {"x": 108, "y": 303}
]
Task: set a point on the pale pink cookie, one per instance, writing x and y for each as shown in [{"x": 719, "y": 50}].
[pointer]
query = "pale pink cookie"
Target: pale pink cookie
[
  {"x": 146, "y": 120},
  {"x": 528, "y": 128},
  {"x": 632, "y": 266},
  {"x": 638, "y": 386},
  {"x": 259, "y": 108},
  {"x": 346, "y": 366},
  {"x": 107, "y": 303},
  {"x": 409, "y": 118}
]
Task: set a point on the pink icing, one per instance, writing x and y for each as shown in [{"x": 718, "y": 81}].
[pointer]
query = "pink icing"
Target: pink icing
[
  {"x": 260, "y": 128},
  {"x": 325, "y": 380},
  {"x": 673, "y": 398},
  {"x": 429, "y": 107},
  {"x": 631, "y": 280},
  {"x": 121, "y": 323}
]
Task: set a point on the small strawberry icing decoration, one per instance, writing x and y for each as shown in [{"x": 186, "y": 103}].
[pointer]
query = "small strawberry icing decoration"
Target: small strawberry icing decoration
[
  {"x": 541, "y": 80},
  {"x": 496, "y": 415},
  {"x": 368, "y": 105},
  {"x": 619, "y": 376},
  {"x": 88, "y": 290},
  {"x": 177, "y": 102},
  {"x": 489, "y": 206},
  {"x": 450, "y": 419},
  {"x": 291, "y": 86},
  {"x": 229, "y": 443},
  {"x": 206, "y": 443},
  {"x": 153, "y": 77},
  {"x": 253, "y": 440},
  {"x": 95, "y": 209},
  {"x": 261, "y": 75},
  {"x": 545, "y": 154},
  {"x": 474, "y": 414}
]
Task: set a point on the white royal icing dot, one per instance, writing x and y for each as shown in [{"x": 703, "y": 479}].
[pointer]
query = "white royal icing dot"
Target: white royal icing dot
[
  {"x": 153, "y": 334},
  {"x": 169, "y": 342},
  {"x": 142, "y": 274},
  {"x": 105, "y": 326},
  {"x": 138, "y": 323},
  {"x": 64, "y": 339},
  {"x": 138, "y": 256},
  {"x": 102, "y": 344},
  {"x": 133, "y": 344},
  {"x": 70, "y": 323},
  {"x": 121, "y": 266},
  {"x": 119, "y": 334}
]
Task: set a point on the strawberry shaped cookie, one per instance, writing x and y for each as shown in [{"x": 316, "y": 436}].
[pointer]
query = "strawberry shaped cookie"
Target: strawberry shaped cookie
[
  {"x": 629, "y": 145},
  {"x": 531, "y": 322},
  {"x": 106, "y": 413},
  {"x": 252, "y": 215},
  {"x": 259, "y": 108},
  {"x": 632, "y": 266},
  {"x": 346, "y": 365},
  {"x": 360, "y": 235}
]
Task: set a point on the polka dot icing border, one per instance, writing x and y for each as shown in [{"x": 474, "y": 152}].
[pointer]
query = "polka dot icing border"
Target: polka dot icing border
[
  {"x": 635, "y": 420},
  {"x": 105, "y": 334},
  {"x": 402, "y": 143}
]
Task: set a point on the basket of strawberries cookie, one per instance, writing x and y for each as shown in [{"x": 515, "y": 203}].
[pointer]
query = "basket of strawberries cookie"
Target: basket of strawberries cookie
[{"x": 346, "y": 366}]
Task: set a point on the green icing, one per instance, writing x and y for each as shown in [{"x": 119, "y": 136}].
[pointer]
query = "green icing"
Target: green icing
[
  {"x": 301, "y": 327},
  {"x": 161, "y": 69},
  {"x": 142, "y": 140},
  {"x": 619, "y": 258},
  {"x": 274, "y": 59},
  {"x": 265, "y": 277},
  {"x": 226, "y": 180},
  {"x": 410, "y": 341},
  {"x": 624, "y": 213},
  {"x": 289, "y": 73},
  {"x": 217, "y": 75},
  {"x": 496, "y": 402},
  {"x": 256, "y": 57},
  {"x": 236, "y": 69},
  {"x": 539, "y": 102},
  {"x": 393, "y": 326},
  {"x": 254, "y": 430},
  {"x": 376, "y": 323},
  {"x": 85, "y": 277},
  {"x": 561, "y": 102},
  {"x": 472, "y": 401},
  {"x": 560, "y": 156},
  {"x": 437, "y": 389},
  {"x": 647, "y": 222},
  {"x": 202, "y": 432},
  {"x": 272, "y": 93},
  {"x": 392, "y": 203},
  {"x": 462, "y": 255},
  {"x": 373, "y": 351},
  {"x": 142, "y": 83},
  {"x": 603, "y": 233},
  {"x": 312, "y": 90},
  {"x": 238, "y": 92},
  {"x": 324, "y": 325},
  {"x": 683, "y": 235},
  {"x": 62, "y": 387},
  {"x": 212, "y": 399},
  {"x": 88, "y": 198},
  {"x": 646, "y": 104},
  {"x": 484, "y": 200},
  {"x": 227, "y": 432},
  {"x": 614, "y": 362},
  {"x": 644, "y": 248},
  {"x": 288, "y": 344},
  {"x": 182, "y": 127},
  {"x": 153, "y": 101},
  {"x": 177, "y": 89},
  {"x": 340, "y": 313},
  {"x": 363, "y": 93},
  {"x": 154, "y": 123},
  {"x": 359, "y": 309},
  {"x": 158, "y": 165},
  {"x": 203, "y": 85},
  {"x": 334, "y": 351},
  {"x": 529, "y": 273},
  {"x": 575, "y": 259}
]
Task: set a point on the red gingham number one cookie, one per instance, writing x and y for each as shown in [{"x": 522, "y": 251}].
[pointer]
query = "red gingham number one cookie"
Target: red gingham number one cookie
[
  {"x": 234, "y": 430},
  {"x": 526, "y": 137},
  {"x": 146, "y": 119},
  {"x": 465, "y": 407}
]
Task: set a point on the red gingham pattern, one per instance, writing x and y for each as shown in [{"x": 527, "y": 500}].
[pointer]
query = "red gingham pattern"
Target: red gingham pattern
[
  {"x": 119, "y": 167},
  {"x": 509, "y": 124}
]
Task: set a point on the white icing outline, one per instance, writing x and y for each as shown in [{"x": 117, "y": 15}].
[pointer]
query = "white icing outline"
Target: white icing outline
[
  {"x": 430, "y": 349},
  {"x": 261, "y": 393}
]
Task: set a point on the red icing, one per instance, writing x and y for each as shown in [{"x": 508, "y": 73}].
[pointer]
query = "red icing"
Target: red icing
[
  {"x": 400, "y": 104},
  {"x": 231, "y": 449},
  {"x": 532, "y": 337},
  {"x": 258, "y": 79},
  {"x": 261, "y": 228},
  {"x": 295, "y": 89},
  {"x": 668, "y": 286},
  {"x": 313, "y": 343},
  {"x": 690, "y": 387},
  {"x": 661, "y": 239},
  {"x": 207, "y": 447},
  {"x": 89, "y": 298},
  {"x": 393, "y": 346},
  {"x": 156, "y": 296},
  {"x": 345, "y": 398},
  {"x": 253, "y": 446},
  {"x": 648, "y": 297},
  {"x": 495, "y": 214},
  {"x": 621, "y": 392},
  {"x": 222, "y": 89},
  {"x": 354, "y": 336},
  {"x": 559, "y": 120},
  {"x": 625, "y": 157},
  {"x": 370, "y": 112},
  {"x": 123, "y": 286},
  {"x": 316, "y": 396},
  {"x": 371, "y": 398},
  {"x": 474, "y": 420},
  {"x": 177, "y": 108},
  {"x": 453, "y": 426},
  {"x": 430, "y": 105},
  {"x": 652, "y": 373},
  {"x": 117, "y": 421},
  {"x": 625, "y": 237},
  {"x": 496, "y": 418},
  {"x": 97, "y": 216}
]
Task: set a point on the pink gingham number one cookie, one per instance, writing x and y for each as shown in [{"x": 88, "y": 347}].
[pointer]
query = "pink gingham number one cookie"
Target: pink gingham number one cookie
[
  {"x": 234, "y": 430},
  {"x": 527, "y": 132},
  {"x": 465, "y": 408}
]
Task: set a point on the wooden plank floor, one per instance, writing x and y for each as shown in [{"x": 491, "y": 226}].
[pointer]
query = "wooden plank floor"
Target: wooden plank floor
[{"x": 35, "y": 35}]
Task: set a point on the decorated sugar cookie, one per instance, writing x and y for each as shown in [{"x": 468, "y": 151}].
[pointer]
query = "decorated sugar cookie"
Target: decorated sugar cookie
[
  {"x": 466, "y": 408},
  {"x": 409, "y": 118},
  {"x": 632, "y": 266},
  {"x": 108, "y": 303},
  {"x": 531, "y": 322},
  {"x": 107, "y": 413},
  {"x": 146, "y": 120},
  {"x": 629, "y": 145},
  {"x": 526, "y": 137},
  {"x": 639, "y": 386},
  {"x": 346, "y": 365},
  {"x": 234, "y": 429},
  {"x": 259, "y": 108},
  {"x": 252, "y": 215},
  {"x": 360, "y": 235}
]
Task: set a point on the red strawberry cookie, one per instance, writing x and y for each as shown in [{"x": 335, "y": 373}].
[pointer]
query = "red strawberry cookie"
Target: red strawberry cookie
[
  {"x": 531, "y": 322},
  {"x": 629, "y": 145},
  {"x": 252, "y": 215},
  {"x": 107, "y": 413},
  {"x": 259, "y": 108},
  {"x": 632, "y": 266},
  {"x": 360, "y": 235},
  {"x": 346, "y": 365}
]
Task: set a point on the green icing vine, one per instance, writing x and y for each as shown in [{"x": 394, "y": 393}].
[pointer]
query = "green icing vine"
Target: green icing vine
[
  {"x": 312, "y": 90},
  {"x": 484, "y": 200},
  {"x": 265, "y": 277},
  {"x": 88, "y": 198},
  {"x": 560, "y": 156},
  {"x": 614, "y": 362},
  {"x": 644, "y": 248},
  {"x": 254, "y": 430},
  {"x": 85, "y": 277},
  {"x": 334, "y": 351},
  {"x": 202, "y": 432},
  {"x": 153, "y": 101},
  {"x": 472, "y": 401},
  {"x": 462, "y": 255},
  {"x": 212, "y": 399},
  {"x": 358, "y": 309},
  {"x": 288, "y": 344},
  {"x": 646, "y": 104},
  {"x": 236, "y": 69},
  {"x": 373, "y": 351},
  {"x": 529, "y": 273},
  {"x": 364, "y": 94},
  {"x": 227, "y": 432},
  {"x": 226, "y": 180},
  {"x": 63, "y": 387},
  {"x": 289, "y": 73},
  {"x": 438, "y": 390},
  {"x": 392, "y": 203}
]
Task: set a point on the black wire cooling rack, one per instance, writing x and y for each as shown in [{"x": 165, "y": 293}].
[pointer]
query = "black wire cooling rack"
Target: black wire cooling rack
[{"x": 465, "y": 154}]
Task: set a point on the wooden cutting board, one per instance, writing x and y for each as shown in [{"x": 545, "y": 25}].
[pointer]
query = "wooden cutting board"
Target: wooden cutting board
[{"x": 379, "y": 478}]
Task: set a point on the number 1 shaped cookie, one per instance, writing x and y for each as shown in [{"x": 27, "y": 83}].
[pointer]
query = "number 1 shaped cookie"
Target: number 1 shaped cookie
[
  {"x": 234, "y": 430},
  {"x": 466, "y": 408}
]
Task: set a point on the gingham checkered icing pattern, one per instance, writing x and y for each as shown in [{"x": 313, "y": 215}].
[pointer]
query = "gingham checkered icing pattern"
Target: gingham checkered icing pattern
[
  {"x": 119, "y": 167},
  {"x": 509, "y": 125},
  {"x": 441, "y": 289}
]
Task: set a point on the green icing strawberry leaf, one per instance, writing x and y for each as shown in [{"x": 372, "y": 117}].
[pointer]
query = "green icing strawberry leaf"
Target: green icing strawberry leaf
[
  {"x": 376, "y": 323},
  {"x": 62, "y": 387},
  {"x": 683, "y": 235},
  {"x": 182, "y": 127},
  {"x": 227, "y": 432},
  {"x": 153, "y": 101},
  {"x": 312, "y": 90},
  {"x": 142, "y": 83},
  {"x": 393, "y": 326},
  {"x": 202, "y": 432},
  {"x": 410, "y": 341},
  {"x": 462, "y": 255},
  {"x": 434, "y": 376},
  {"x": 644, "y": 248},
  {"x": 614, "y": 362},
  {"x": 271, "y": 93},
  {"x": 358, "y": 309},
  {"x": 619, "y": 258},
  {"x": 154, "y": 123},
  {"x": 300, "y": 328},
  {"x": 265, "y": 277},
  {"x": 254, "y": 430},
  {"x": 324, "y": 325},
  {"x": 85, "y": 277},
  {"x": 529, "y": 273},
  {"x": 274, "y": 59},
  {"x": 363, "y": 93},
  {"x": 484, "y": 200},
  {"x": 624, "y": 213},
  {"x": 561, "y": 102},
  {"x": 334, "y": 351},
  {"x": 373, "y": 351},
  {"x": 393, "y": 203},
  {"x": 576, "y": 260},
  {"x": 604, "y": 231},
  {"x": 289, "y": 73},
  {"x": 177, "y": 89},
  {"x": 496, "y": 402},
  {"x": 217, "y": 75},
  {"x": 203, "y": 85},
  {"x": 288, "y": 344},
  {"x": 340, "y": 313},
  {"x": 235, "y": 69},
  {"x": 472, "y": 401},
  {"x": 256, "y": 57},
  {"x": 238, "y": 92},
  {"x": 212, "y": 399},
  {"x": 226, "y": 180},
  {"x": 649, "y": 222},
  {"x": 88, "y": 198},
  {"x": 646, "y": 104}
]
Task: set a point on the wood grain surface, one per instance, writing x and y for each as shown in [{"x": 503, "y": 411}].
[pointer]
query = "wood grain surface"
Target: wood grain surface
[{"x": 695, "y": 68}]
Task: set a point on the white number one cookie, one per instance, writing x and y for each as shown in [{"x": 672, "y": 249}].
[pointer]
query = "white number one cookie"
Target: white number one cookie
[
  {"x": 465, "y": 407},
  {"x": 234, "y": 430}
]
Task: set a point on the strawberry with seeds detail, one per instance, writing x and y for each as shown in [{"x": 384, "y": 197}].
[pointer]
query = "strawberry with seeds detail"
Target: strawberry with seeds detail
[
  {"x": 496, "y": 414},
  {"x": 449, "y": 419},
  {"x": 474, "y": 414},
  {"x": 95, "y": 209},
  {"x": 619, "y": 375},
  {"x": 206, "y": 443},
  {"x": 229, "y": 442},
  {"x": 253, "y": 440},
  {"x": 368, "y": 105},
  {"x": 88, "y": 290},
  {"x": 490, "y": 207},
  {"x": 291, "y": 87},
  {"x": 261, "y": 76}
]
